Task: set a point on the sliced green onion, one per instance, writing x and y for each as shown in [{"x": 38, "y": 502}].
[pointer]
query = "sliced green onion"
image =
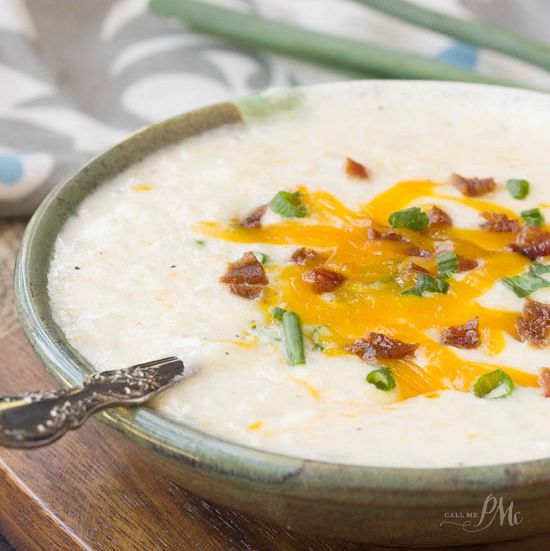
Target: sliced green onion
[
  {"x": 382, "y": 379},
  {"x": 518, "y": 189},
  {"x": 277, "y": 313},
  {"x": 496, "y": 384},
  {"x": 479, "y": 33},
  {"x": 525, "y": 284},
  {"x": 537, "y": 268},
  {"x": 412, "y": 218},
  {"x": 426, "y": 283},
  {"x": 288, "y": 205},
  {"x": 533, "y": 217},
  {"x": 441, "y": 286},
  {"x": 316, "y": 337},
  {"x": 200, "y": 242},
  {"x": 262, "y": 258},
  {"x": 294, "y": 339},
  {"x": 447, "y": 264}
]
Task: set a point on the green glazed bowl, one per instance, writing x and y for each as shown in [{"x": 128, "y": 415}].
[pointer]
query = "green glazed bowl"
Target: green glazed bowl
[{"x": 388, "y": 506}]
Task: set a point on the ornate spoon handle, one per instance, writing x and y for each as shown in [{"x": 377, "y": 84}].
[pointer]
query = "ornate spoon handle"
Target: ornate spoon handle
[{"x": 38, "y": 418}]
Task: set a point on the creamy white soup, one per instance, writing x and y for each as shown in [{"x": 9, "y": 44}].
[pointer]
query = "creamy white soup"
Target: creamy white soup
[{"x": 363, "y": 278}]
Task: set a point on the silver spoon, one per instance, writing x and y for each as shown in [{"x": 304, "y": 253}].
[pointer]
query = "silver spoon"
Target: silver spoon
[{"x": 38, "y": 418}]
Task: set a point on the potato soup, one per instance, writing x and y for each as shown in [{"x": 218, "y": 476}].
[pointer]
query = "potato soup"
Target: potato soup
[{"x": 361, "y": 277}]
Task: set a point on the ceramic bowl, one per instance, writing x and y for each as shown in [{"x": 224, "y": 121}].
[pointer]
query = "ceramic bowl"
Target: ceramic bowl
[{"x": 389, "y": 506}]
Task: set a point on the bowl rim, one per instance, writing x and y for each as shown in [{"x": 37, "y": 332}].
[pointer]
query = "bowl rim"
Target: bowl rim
[{"x": 214, "y": 454}]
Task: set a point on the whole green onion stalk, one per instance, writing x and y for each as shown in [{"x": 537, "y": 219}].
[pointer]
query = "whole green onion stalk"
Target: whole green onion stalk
[
  {"x": 357, "y": 57},
  {"x": 474, "y": 32}
]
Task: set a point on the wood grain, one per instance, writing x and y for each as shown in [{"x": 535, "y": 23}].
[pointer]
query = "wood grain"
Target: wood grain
[{"x": 96, "y": 490}]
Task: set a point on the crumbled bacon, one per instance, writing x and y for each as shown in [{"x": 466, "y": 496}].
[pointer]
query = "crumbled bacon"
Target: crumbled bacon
[
  {"x": 356, "y": 170},
  {"x": 376, "y": 346},
  {"x": 246, "y": 277},
  {"x": 373, "y": 235},
  {"x": 544, "y": 381},
  {"x": 534, "y": 323},
  {"x": 323, "y": 280},
  {"x": 498, "y": 222},
  {"x": 417, "y": 251},
  {"x": 462, "y": 336},
  {"x": 254, "y": 219},
  {"x": 304, "y": 256},
  {"x": 473, "y": 187},
  {"x": 408, "y": 274},
  {"x": 387, "y": 234},
  {"x": 532, "y": 242},
  {"x": 416, "y": 268},
  {"x": 394, "y": 236},
  {"x": 439, "y": 218},
  {"x": 465, "y": 264}
]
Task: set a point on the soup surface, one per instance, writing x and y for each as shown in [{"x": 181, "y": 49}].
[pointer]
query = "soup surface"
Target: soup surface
[{"x": 361, "y": 277}]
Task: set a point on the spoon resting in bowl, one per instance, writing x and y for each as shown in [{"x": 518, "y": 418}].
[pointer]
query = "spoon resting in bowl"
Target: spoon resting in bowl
[{"x": 37, "y": 418}]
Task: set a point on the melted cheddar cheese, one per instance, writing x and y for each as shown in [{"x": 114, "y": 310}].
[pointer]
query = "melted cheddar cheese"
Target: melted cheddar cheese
[{"x": 370, "y": 299}]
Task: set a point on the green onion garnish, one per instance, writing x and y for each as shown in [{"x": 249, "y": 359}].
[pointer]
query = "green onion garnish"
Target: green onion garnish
[
  {"x": 447, "y": 264},
  {"x": 496, "y": 384},
  {"x": 538, "y": 268},
  {"x": 533, "y": 217},
  {"x": 316, "y": 337},
  {"x": 425, "y": 283},
  {"x": 277, "y": 313},
  {"x": 294, "y": 340},
  {"x": 382, "y": 379},
  {"x": 412, "y": 218},
  {"x": 288, "y": 205},
  {"x": 200, "y": 242},
  {"x": 262, "y": 258},
  {"x": 525, "y": 284},
  {"x": 518, "y": 189},
  {"x": 353, "y": 56}
]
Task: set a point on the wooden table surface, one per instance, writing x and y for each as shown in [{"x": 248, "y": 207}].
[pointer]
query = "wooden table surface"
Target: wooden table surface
[{"x": 96, "y": 490}]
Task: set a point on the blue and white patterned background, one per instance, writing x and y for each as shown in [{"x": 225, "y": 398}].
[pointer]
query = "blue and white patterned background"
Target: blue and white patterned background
[{"x": 78, "y": 75}]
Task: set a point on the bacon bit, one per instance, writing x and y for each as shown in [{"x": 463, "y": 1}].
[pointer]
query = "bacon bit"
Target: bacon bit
[
  {"x": 246, "y": 277},
  {"x": 304, "y": 256},
  {"x": 408, "y": 274},
  {"x": 376, "y": 346},
  {"x": 473, "y": 187},
  {"x": 417, "y": 251},
  {"x": 416, "y": 268},
  {"x": 373, "y": 235},
  {"x": 462, "y": 336},
  {"x": 386, "y": 235},
  {"x": 499, "y": 222},
  {"x": 532, "y": 242},
  {"x": 439, "y": 218},
  {"x": 394, "y": 236},
  {"x": 465, "y": 264},
  {"x": 544, "y": 381},
  {"x": 323, "y": 280},
  {"x": 356, "y": 170},
  {"x": 533, "y": 325},
  {"x": 254, "y": 219}
]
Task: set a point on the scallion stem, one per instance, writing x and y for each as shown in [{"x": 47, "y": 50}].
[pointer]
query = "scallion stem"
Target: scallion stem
[
  {"x": 334, "y": 51},
  {"x": 473, "y": 32},
  {"x": 495, "y": 384},
  {"x": 294, "y": 340}
]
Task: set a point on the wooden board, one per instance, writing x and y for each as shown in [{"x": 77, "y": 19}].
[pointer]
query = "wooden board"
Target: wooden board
[{"x": 96, "y": 490}]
